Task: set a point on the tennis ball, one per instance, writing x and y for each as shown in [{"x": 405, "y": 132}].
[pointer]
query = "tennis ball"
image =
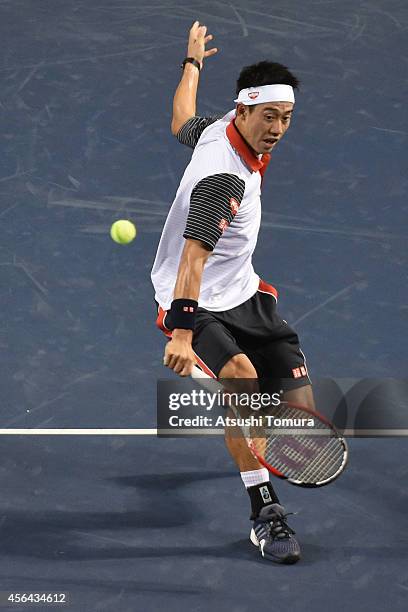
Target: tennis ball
[{"x": 123, "y": 231}]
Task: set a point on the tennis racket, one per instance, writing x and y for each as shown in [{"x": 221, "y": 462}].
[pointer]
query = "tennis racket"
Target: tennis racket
[{"x": 304, "y": 456}]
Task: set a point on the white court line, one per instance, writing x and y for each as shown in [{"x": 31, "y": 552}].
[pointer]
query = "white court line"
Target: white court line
[
  {"x": 9, "y": 431},
  {"x": 323, "y": 304}
]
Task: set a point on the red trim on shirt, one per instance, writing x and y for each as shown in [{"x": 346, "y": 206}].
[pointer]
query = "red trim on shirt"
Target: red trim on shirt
[
  {"x": 247, "y": 155},
  {"x": 160, "y": 322},
  {"x": 264, "y": 287}
]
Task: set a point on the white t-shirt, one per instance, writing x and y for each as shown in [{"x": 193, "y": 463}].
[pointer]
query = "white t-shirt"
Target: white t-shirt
[{"x": 217, "y": 202}]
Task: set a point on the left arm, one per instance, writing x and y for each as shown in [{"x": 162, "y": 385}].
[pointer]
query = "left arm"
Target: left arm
[{"x": 184, "y": 102}]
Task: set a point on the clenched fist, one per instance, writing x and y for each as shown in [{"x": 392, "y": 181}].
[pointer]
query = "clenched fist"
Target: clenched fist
[{"x": 179, "y": 355}]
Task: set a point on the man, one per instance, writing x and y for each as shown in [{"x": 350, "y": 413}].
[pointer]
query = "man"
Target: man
[{"x": 213, "y": 307}]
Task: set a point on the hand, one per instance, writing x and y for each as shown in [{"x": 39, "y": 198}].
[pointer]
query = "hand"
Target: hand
[
  {"x": 179, "y": 355},
  {"x": 196, "y": 43}
]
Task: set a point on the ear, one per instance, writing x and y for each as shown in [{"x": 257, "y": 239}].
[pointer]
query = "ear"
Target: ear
[{"x": 242, "y": 110}]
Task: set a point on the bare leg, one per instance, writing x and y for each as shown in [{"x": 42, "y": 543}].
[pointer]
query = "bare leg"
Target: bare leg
[
  {"x": 303, "y": 396},
  {"x": 239, "y": 367}
]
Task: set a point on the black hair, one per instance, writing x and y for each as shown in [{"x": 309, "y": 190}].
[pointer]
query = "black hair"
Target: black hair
[{"x": 265, "y": 73}]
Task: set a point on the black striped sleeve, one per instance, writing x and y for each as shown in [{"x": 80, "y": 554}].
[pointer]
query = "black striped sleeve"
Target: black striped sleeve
[
  {"x": 214, "y": 202},
  {"x": 191, "y": 131}
]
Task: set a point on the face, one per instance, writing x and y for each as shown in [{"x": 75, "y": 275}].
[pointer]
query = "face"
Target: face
[{"x": 265, "y": 125}]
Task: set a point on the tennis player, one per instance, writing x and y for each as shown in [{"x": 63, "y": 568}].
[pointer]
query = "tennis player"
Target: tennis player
[{"x": 212, "y": 306}]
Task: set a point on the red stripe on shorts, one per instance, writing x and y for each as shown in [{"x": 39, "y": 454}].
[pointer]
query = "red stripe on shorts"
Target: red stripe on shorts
[{"x": 204, "y": 368}]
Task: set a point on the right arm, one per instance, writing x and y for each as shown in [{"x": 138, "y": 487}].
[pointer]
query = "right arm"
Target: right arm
[
  {"x": 184, "y": 102},
  {"x": 213, "y": 204},
  {"x": 179, "y": 355}
]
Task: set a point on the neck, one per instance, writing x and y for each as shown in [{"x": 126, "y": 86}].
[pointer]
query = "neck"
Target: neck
[{"x": 243, "y": 138}]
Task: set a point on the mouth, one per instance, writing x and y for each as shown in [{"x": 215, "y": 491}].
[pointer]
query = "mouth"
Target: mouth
[{"x": 270, "y": 141}]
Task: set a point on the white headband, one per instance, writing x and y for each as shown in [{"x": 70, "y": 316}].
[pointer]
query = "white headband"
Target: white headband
[{"x": 266, "y": 93}]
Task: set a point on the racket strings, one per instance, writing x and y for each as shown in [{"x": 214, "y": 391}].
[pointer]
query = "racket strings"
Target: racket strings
[
  {"x": 283, "y": 458},
  {"x": 326, "y": 463},
  {"x": 316, "y": 459}
]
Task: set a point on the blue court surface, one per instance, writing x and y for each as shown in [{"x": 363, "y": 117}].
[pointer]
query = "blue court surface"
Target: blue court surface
[{"x": 125, "y": 522}]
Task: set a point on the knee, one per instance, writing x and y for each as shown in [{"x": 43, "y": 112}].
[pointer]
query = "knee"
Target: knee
[
  {"x": 238, "y": 366},
  {"x": 302, "y": 395}
]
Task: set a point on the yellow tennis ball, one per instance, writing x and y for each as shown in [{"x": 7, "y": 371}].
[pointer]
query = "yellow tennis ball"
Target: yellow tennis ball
[{"x": 123, "y": 231}]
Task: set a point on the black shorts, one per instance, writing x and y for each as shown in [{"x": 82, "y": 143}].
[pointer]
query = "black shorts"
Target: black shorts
[{"x": 253, "y": 328}]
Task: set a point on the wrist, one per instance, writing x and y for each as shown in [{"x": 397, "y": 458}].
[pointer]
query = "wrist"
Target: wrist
[
  {"x": 192, "y": 63},
  {"x": 183, "y": 334},
  {"x": 183, "y": 313},
  {"x": 188, "y": 67}
]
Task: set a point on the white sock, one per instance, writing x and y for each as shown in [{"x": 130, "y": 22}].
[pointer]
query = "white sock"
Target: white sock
[{"x": 254, "y": 477}]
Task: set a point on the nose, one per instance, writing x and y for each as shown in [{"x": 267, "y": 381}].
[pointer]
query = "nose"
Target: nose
[{"x": 276, "y": 128}]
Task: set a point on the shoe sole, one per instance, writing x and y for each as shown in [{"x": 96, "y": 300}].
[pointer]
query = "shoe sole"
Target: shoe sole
[{"x": 289, "y": 560}]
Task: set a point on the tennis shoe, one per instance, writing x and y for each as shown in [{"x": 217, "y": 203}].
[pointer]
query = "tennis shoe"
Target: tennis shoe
[{"x": 273, "y": 536}]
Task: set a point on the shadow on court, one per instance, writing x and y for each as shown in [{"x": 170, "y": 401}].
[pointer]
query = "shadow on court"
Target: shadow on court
[{"x": 106, "y": 531}]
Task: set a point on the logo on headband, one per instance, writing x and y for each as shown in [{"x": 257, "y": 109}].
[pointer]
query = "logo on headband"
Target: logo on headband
[{"x": 253, "y": 95}]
